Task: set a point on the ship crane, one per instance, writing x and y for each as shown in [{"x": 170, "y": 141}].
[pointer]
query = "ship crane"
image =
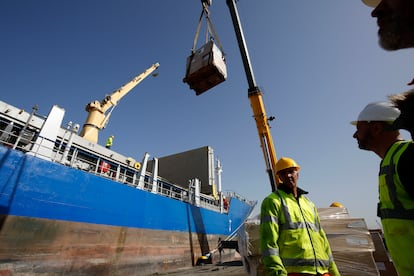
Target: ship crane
[{"x": 99, "y": 112}]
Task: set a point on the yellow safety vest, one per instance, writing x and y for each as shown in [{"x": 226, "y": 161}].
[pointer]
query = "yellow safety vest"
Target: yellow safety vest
[
  {"x": 291, "y": 237},
  {"x": 396, "y": 209},
  {"x": 109, "y": 142}
]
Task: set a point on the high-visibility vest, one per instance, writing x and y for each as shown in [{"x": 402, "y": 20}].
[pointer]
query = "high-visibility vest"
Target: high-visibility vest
[
  {"x": 109, "y": 141},
  {"x": 396, "y": 209},
  {"x": 291, "y": 237}
]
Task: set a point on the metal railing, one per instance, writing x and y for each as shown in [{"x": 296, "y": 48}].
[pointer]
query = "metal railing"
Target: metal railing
[{"x": 97, "y": 164}]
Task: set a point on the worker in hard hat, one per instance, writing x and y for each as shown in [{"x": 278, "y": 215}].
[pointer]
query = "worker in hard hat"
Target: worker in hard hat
[
  {"x": 396, "y": 190},
  {"x": 396, "y": 22},
  {"x": 109, "y": 141},
  {"x": 336, "y": 204},
  {"x": 292, "y": 241},
  {"x": 396, "y": 31}
]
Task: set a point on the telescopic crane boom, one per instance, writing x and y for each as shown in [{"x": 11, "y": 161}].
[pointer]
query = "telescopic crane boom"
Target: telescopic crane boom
[
  {"x": 256, "y": 101},
  {"x": 99, "y": 112}
]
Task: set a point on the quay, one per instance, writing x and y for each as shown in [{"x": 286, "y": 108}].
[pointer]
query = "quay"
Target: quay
[{"x": 232, "y": 268}]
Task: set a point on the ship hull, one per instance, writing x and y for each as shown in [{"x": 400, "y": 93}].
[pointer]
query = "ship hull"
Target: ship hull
[
  {"x": 42, "y": 246},
  {"x": 57, "y": 219}
]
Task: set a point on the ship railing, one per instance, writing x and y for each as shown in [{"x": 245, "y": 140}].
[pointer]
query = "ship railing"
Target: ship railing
[
  {"x": 130, "y": 176},
  {"x": 93, "y": 163},
  {"x": 241, "y": 198},
  {"x": 209, "y": 202},
  {"x": 15, "y": 136},
  {"x": 176, "y": 192}
]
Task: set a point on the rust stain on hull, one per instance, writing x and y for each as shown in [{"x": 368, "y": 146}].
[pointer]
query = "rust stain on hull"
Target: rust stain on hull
[{"x": 40, "y": 246}]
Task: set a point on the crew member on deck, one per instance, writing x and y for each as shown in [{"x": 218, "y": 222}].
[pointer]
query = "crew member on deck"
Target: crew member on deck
[{"x": 109, "y": 142}]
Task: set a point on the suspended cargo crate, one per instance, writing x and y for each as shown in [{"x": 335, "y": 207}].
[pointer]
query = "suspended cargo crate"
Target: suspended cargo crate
[{"x": 206, "y": 68}]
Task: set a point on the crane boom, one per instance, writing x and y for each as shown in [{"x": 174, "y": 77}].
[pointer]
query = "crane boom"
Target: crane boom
[
  {"x": 99, "y": 112},
  {"x": 256, "y": 101}
]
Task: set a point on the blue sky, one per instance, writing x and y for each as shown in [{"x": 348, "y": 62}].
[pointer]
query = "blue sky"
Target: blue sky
[{"x": 317, "y": 63}]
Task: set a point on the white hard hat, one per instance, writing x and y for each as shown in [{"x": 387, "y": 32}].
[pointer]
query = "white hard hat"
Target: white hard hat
[
  {"x": 371, "y": 3},
  {"x": 378, "y": 111}
]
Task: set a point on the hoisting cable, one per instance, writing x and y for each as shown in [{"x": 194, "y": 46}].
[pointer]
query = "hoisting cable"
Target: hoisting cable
[
  {"x": 210, "y": 28},
  {"x": 200, "y": 80}
]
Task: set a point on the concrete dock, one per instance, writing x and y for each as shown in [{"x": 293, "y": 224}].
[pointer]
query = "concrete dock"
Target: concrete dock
[{"x": 232, "y": 268}]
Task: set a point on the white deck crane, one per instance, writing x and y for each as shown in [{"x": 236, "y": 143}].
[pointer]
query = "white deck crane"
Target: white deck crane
[{"x": 99, "y": 112}]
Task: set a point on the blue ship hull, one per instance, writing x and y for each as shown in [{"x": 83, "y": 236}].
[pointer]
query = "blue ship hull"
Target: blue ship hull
[
  {"x": 33, "y": 187},
  {"x": 70, "y": 206},
  {"x": 84, "y": 223}
]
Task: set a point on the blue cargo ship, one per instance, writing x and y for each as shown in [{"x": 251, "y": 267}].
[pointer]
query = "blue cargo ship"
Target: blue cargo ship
[{"x": 72, "y": 206}]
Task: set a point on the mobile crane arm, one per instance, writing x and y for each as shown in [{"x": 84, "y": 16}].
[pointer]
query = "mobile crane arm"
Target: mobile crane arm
[
  {"x": 256, "y": 101},
  {"x": 99, "y": 112}
]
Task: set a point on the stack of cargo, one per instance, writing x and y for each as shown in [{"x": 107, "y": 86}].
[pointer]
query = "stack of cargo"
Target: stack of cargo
[
  {"x": 249, "y": 246},
  {"x": 382, "y": 259},
  {"x": 350, "y": 240},
  {"x": 351, "y": 243}
]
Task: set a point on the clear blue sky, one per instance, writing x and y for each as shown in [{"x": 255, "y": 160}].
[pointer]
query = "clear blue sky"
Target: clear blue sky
[{"x": 317, "y": 62}]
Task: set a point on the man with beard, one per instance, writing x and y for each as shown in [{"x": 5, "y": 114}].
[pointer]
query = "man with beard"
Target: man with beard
[
  {"x": 395, "y": 19},
  {"x": 375, "y": 132}
]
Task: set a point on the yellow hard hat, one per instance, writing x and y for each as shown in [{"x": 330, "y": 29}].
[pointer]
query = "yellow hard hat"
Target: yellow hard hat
[
  {"x": 336, "y": 204},
  {"x": 371, "y": 3},
  {"x": 285, "y": 163}
]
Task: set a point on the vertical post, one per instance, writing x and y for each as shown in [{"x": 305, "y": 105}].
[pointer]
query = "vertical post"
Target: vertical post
[
  {"x": 197, "y": 192},
  {"x": 69, "y": 143},
  {"x": 219, "y": 170},
  {"x": 155, "y": 177},
  {"x": 35, "y": 108},
  {"x": 141, "y": 181}
]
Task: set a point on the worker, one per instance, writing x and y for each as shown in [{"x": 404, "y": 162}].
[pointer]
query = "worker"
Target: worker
[
  {"x": 220, "y": 249},
  {"x": 336, "y": 204},
  {"x": 292, "y": 240},
  {"x": 225, "y": 203},
  {"x": 396, "y": 31},
  {"x": 109, "y": 141},
  {"x": 374, "y": 133},
  {"x": 396, "y": 22}
]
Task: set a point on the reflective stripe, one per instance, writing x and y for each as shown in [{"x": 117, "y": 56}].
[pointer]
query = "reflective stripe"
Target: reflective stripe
[
  {"x": 300, "y": 225},
  {"x": 289, "y": 225},
  {"x": 272, "y": 219},
  {"x": 305, "y": 262},
  {"x": 268, "y": 252},
  {"x": 307, "y": 274},
  {"x": 397, "y": 214},
  {"x": 388, "y": 171},
  {"x": 293, "y": 225}
]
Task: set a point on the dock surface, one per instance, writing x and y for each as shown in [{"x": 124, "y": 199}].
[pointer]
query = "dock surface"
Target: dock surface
[{"x": 232, "y": 268}]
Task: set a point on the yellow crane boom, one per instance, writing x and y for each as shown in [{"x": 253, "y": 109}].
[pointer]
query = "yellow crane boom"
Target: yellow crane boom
[
  {"x": 256, "y": 101},
  {"x": 99, "y": 112}
]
